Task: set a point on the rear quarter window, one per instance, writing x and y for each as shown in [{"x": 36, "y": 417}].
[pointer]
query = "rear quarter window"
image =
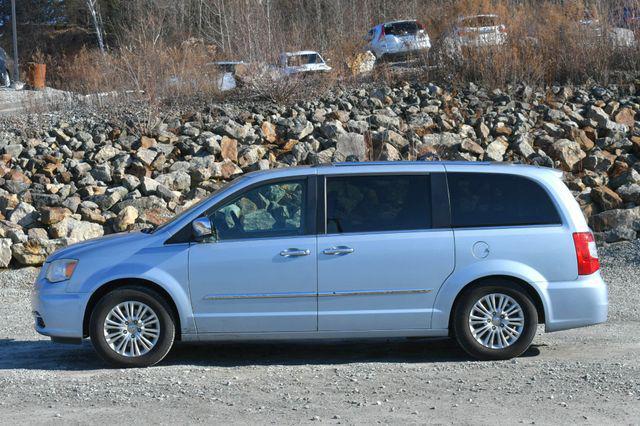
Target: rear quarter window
[{"x": 481, "y": 200}]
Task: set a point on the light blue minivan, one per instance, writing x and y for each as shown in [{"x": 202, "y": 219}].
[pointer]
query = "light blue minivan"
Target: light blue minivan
[{"x": 477, "y": 251}]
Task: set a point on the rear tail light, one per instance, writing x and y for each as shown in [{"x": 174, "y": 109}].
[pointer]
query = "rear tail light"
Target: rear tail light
[
  {"x": 586, "y": 253},
  {"x": 502, "y": 29}
]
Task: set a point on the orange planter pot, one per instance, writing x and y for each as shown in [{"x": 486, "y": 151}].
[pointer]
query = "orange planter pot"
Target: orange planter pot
[{"x": 36, "y": 76}]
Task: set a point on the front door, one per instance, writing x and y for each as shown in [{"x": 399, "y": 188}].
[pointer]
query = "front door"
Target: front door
[
  {"x": 381, "y": 261},
  {"x": 259, "y": 275}
]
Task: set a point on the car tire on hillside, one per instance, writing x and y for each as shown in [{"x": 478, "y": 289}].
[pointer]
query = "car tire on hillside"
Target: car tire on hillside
[
  {"x": 132, "y": 327},
  {"x": 495, "y": 321}
]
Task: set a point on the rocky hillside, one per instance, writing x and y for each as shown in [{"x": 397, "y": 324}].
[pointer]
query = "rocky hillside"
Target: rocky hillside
[{"x": 81, "y": 177}]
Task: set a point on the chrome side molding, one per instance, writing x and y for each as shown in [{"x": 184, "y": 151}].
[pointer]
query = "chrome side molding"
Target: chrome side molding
[
  {"x": 258, "y": 296},
  {"x": 372, "y": 292},
  {"x": 310, "y": 294}
]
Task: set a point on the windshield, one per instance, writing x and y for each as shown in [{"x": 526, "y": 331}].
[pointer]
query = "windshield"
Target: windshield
[{"x": 184, "y": 213}]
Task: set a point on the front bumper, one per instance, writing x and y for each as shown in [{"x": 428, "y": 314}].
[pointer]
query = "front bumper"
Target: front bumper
[
  {"x": 57, "y": 314},
  {"x": 576, "y": 303}
]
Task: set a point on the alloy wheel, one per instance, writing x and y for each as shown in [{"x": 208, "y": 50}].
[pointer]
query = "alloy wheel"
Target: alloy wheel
[
  {"x": 131, "y": 329},
  {"x": 496, "y": 321}
]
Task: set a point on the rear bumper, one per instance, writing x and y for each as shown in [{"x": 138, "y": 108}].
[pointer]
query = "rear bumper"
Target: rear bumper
[
  {"x": 574, "y": 304},
  {"x": 394, "y": 49},
  {"x": 57, "y": 314}
]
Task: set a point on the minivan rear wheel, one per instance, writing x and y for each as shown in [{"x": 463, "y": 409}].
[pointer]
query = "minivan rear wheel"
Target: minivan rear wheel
[
  {"x": 495, "y": 321},
  {"x": 132, "y": 327}
]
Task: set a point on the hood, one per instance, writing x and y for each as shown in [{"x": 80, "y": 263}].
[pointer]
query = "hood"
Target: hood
[{"x": 74, "y": 251}]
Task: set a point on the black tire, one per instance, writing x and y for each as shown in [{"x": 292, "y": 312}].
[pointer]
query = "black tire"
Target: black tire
[
  {"x": 462, "y": 330},
  {"x": 133, "y": 294}
]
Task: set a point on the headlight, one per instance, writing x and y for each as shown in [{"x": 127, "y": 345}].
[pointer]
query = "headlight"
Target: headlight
[{"x": 61, "y": 270}]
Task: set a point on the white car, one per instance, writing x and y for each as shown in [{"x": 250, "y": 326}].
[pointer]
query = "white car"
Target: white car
[
  {"x": 475, "y": 31},
  {"x": 226, "y": 79},
  {"x": 304, "y": 61},
  {"x": 397, "y": 38},
  {"x": 617, "y": 36}
]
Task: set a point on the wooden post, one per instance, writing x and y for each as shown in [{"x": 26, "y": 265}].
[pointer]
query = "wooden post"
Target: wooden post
[{"x": 14, "y": 26}]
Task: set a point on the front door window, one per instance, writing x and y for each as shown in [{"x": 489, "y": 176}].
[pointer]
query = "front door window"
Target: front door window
[{"x": 272, "y": 210}]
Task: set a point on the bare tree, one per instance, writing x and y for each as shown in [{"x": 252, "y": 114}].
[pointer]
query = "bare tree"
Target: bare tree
[{"x": 92, "y": 5}]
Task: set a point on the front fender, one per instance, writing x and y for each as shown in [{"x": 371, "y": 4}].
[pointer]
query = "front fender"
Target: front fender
[
  {"x": 166, "y": 270},
  {"x": 460, "y": 278}
]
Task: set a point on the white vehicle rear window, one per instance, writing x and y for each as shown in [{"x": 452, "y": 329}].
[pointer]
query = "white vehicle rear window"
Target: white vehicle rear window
[{"x": 402, "y": 28}]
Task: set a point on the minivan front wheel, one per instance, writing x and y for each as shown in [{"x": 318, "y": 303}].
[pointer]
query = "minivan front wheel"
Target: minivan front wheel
[
  {"x": 494, "y": 322},
  {"x": 132, "y": 327}
]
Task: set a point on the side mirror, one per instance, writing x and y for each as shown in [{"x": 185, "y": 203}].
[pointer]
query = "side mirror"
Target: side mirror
[{"x": 202, "y": 229}]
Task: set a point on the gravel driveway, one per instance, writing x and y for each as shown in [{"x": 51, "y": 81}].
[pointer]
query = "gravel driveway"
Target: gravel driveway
[{"x": 589, "y": 375}]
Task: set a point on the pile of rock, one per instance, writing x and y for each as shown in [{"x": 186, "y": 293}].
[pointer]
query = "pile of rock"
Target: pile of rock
[{"x": 83, "y": 177}]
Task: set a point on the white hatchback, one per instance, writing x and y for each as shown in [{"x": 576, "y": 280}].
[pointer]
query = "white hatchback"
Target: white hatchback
[
  {"x": 398, "y": 38},
  {"x": 473, "y": 32}
]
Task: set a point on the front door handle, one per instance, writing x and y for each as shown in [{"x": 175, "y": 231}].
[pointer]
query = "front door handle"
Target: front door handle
[
  {"x": 295, "y": 252},
  {"x": 334, "y": 251}
]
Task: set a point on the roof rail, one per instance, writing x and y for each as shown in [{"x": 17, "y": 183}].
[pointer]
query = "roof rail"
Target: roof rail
[{"x": 403, "y": 163}]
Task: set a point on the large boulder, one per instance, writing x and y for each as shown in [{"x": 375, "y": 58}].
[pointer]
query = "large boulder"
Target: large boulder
[
  {"x": 626, "y": 116},
  {"x": 350, "y": 146},
  {"x": 176, "y": 181},
  {"x": 621, "y": 233},
  {"x": 35, "y": 252},
  {"x": 606, "y": 198},
  {"x": 444, "y": 140},
  {"x": 51, "y": 215},
  {"x": 229, "y": 149},
  {"x": 125, "y": 219},
  {"x": 630, "y": 193},
  {"x": 106, "y": 153},
  {"x": 235, "y": 131},
  {"x": 301, "y": 129},
  {"x": 496, "y": 150},
  {"x": 76, "y": 230},
  {"x": 250, "y": 155},
  {"x": 269, "y": 132},
  {"x": 624, "y": 177},
  {"x": 604, "y": 121},
  {"x": 24, "y": 215},
  {"x": 522, "y": 146},
  {"x": 611, "y": 219},
  {"x": 567, "y": 153}
]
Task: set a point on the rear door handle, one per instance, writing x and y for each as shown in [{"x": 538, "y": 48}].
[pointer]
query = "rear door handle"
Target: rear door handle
[
  {"x": 334, "y": 251},
  {"x": 295, "y": 252}
]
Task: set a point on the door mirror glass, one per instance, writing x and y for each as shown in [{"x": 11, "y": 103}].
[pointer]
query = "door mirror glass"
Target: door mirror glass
[{"x": 202, "y": 229}]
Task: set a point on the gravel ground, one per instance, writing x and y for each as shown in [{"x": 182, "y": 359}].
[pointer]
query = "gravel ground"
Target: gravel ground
[{"x": 589, "y": 375}]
